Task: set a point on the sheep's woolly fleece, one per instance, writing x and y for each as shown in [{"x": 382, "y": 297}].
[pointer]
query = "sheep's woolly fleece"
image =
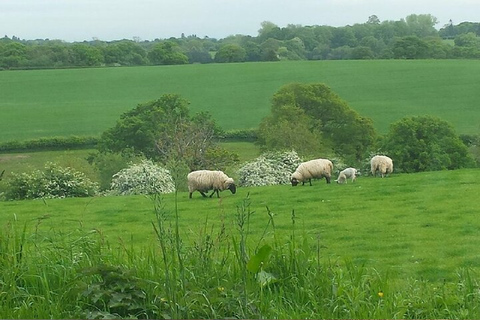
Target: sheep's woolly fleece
[
  {"x": 382, "y": 164},
  {"x": 313, "y": 169}
]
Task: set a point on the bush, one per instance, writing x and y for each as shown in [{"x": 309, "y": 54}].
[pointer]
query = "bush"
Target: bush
[
  {"x": 425, "y": 143},
  {"x": 53, "y": 182},
  {"x": 142, "y": 178},
  {"x": 270, "y": 168}
]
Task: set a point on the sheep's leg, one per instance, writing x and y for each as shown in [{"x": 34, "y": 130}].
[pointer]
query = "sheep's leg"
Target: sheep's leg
[
  {"x": 203, "y": 194},
  {"x": 310, "y": 181},
  {"x": 190, "y": 195},
  {"x": 215, "y": 190}
]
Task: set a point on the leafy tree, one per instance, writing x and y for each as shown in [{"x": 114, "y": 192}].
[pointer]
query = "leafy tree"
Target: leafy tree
[
  {"x": 342, "y": 129},
  {"x": 421, "y": 25},
  {"x": 86, "y": 55},
  {"x": 425, "y": 143},
  {"x": 289, "y": 128},
  {"x": 163, "y": 130},
  {"x": 167, "y": 53},
  {"x": 12, "y": 55},
  {"x": 410, "y": 47},
  {"x": 230, "y": 53}
]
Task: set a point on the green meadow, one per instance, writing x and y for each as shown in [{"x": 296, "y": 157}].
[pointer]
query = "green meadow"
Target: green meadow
[
  {"x": 45, "y": 103},
  {"x": 401, "y": 247},
  {"x": 422, "y": 226}
]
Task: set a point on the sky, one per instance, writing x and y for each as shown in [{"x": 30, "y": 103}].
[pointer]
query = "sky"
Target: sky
[{"x": 107, "y": 20}]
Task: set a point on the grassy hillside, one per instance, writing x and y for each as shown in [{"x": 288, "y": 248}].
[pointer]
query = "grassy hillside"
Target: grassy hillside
[
  {"x": 423, "y": 226},
  {"x": 87, "y": 101}
]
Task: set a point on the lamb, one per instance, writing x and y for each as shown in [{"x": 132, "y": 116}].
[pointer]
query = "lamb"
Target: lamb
[
  {"x": 382, "y": 164},
  {"x": 347, "y": 173},
  {"x": 317, "y": 168},
  {"x": 205, "y": 180}
]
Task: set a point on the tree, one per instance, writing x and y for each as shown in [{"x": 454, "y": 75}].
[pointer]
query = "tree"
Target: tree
[
  {"x": 342, "y": 129},
  {"x": 410, "y": 47},
  {"x": 12, "y": 55},
  {"x": 86, "y": 55},
  {"x": 425, "y": 143},
  {"x": 230, "y": 53},
  {"x": 163, "y": 130},
  {"x": 421, "y": 25},
  {"x": 167, "y": 53},
  {"x": 289, "y": 128}
]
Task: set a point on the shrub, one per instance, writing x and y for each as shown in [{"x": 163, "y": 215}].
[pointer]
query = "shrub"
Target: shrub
[
  {"x": 270, "y": 168},
  {"x": 142, "y": 178},
  {"x": 425, "y": 143},
  {"x": 53, "y": 182}
]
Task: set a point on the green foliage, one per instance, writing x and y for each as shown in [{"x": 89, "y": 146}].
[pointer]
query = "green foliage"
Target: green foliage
[
  {"x": 271, "y": 168},
  {"x": 167, "y": 53},
  {"x": 343, "y": 129},
  {"x": 52, "y": 182},
  {"x": 240, "y": 135},
  {"x": 116, "y": 294},
  {"x": 290, "y": 128},
  {"x": 410, "y": 47},
  {"x": 230, "y": 53},
  {"x": 425, "y": 143},
  {"x": 142, "y": 178},
  {"x": 163, "y": 130},
  {"x": 106, "y": 164}
]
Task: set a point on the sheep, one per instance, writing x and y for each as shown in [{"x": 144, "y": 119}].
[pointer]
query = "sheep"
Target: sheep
[
  {"x": 382, "y": 164},
  {"x": 205, "y": 180},
  {"x": 347, "y": 173},
  {"x": 317, "y": 168}
]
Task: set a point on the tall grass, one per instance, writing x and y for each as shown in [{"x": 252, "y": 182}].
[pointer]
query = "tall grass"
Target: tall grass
[{"x": 225, "y": 272}]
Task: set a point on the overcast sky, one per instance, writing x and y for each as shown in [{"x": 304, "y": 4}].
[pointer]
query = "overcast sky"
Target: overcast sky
[{"x": 78, "y": 20}]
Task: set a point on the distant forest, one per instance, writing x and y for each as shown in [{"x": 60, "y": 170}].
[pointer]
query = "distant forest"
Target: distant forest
[{"x": 414, "y": 37}]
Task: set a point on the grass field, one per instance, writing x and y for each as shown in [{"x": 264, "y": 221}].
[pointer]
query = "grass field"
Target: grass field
[
  {"x": 45, "y": 103},
  {"x": 421, "y": 226}
]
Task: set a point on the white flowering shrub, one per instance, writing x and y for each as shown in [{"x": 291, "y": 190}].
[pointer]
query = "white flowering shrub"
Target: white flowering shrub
[
  {"x": 270, "y": 168},
  {"x": 142, "y": 178},
  {"x": 52, "y": 182}
]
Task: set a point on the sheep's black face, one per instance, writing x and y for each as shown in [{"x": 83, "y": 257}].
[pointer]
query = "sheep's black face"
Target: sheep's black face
[
  {"x": 232, "y": 188},
  {"x": 294, "y": 182}
]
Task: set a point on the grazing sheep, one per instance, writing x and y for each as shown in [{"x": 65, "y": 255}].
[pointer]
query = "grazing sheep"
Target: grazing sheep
[
  {"x": 347, "y": 173},
  {"x": 205, "y": 180},
  {"x": 317, "y": 168},
  {"x": 382, "y": 164}
]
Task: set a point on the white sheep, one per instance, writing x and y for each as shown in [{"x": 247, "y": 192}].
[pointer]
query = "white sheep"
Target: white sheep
[
  {"x": 205, "y": 180},
  {"x": 347, "y": 173},
  {"x": 313, "y": 169},
  {"x": 382, "y": 164}
]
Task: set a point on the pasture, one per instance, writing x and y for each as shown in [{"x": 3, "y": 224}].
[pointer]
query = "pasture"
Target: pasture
[
  {"x": 417, "y": 226},
  {"x": 85, "y": 102}
]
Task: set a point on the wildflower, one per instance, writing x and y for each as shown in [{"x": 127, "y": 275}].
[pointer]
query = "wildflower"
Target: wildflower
[
  {"x": 380, "y": 294},
  {"x": 221, "y": 289}
]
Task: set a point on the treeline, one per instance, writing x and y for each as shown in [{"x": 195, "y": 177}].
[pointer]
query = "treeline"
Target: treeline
[{"x": 414, "y": 37}]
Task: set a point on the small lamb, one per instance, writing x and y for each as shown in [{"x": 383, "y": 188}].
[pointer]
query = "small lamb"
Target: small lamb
[{"x": 351, "y": 173}]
